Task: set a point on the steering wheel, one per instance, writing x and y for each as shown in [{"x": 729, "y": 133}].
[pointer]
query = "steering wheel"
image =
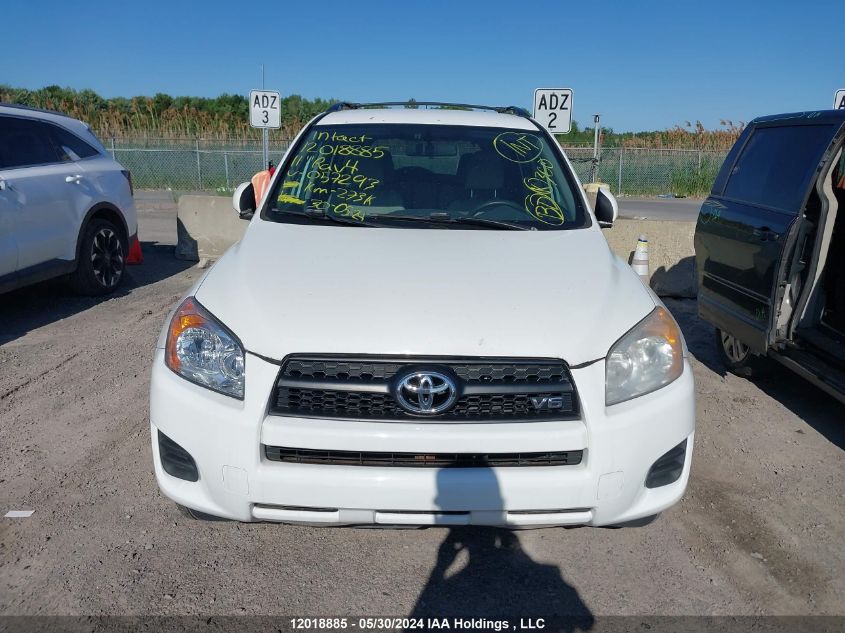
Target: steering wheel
[{"x": 485, "y": 207}]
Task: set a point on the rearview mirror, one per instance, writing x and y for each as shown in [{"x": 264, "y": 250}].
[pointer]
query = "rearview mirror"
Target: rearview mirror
[
  {"x": 607, "y": 209},
  {"x": 243, "y": 200}
]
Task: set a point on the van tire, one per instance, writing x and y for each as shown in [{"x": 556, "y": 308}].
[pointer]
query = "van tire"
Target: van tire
[
  {"x": 101, "y": 263},
  {"x": 736, "y": 355}
]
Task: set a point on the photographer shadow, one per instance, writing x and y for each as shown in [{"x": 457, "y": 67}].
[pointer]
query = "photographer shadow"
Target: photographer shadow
[{"x": 484, "y": 572}]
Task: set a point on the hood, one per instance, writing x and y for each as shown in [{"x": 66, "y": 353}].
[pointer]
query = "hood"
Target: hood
[{"x": 289, "y": 288}]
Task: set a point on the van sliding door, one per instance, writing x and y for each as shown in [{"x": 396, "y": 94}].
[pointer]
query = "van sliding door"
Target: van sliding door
[{"x": 746, "y": 224}]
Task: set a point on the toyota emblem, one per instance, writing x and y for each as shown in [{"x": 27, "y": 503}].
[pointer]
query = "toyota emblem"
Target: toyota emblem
[{"x": 426, "y": 392}]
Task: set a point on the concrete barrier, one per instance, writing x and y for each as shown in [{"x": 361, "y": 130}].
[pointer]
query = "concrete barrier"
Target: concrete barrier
[
  {"x": 671, "y": 254},
  {"x": 207, "y": 226}
]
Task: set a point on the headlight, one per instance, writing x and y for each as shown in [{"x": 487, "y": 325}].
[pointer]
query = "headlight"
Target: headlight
[
  {"x": 202, "y": 350},
  {"x": 648, "y": 357}
]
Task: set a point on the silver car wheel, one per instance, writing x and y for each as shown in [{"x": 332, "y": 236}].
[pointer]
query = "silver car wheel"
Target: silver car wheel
[{"x": 107, "y": 258}]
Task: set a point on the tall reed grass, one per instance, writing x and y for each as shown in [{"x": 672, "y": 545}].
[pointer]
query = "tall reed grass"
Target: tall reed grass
[
  {"x": 162, "y": 116},
  {"x": 227, "y": 118}
]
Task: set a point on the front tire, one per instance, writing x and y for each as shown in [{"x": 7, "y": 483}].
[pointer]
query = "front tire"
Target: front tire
[
  {"x": 101, "y": 265},
  {"x": 735, "y": 354},
  {"x": 196, "y": 515}
]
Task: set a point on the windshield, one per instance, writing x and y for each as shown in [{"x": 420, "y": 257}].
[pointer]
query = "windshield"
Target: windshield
[{"x": 432, "y": 176}]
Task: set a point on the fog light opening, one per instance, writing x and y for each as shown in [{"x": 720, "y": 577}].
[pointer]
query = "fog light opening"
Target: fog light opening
[
  {"x": 175, "y": 460},
  {"x": 667, "y": 470}
]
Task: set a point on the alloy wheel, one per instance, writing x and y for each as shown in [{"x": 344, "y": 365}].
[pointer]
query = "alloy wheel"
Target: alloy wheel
[
  {"x": 107, "y": 258},
  {"x": 735, "y": 350}
]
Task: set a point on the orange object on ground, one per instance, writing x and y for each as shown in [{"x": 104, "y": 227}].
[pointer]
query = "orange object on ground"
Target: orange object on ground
[
  {"x": 260, "y": 182},
  {"x": 135, "y": 256}
]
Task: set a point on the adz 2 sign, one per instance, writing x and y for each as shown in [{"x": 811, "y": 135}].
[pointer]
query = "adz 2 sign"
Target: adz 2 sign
[
  {"x": 265, "y": 108},
  {"x": 553, "y": 109}
]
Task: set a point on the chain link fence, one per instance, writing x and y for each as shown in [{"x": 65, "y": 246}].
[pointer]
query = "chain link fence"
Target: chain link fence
[
  {"x": 649, "y": 172},
  {"x": 192, "y": 165},
  {"x": 208, "y": 165}
]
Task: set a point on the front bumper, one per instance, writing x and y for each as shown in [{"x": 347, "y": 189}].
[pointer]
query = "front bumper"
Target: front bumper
[{"x": 226, "y": 437}]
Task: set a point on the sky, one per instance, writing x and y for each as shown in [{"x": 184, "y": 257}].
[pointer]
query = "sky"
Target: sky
[{"x": 642, "y": 65}]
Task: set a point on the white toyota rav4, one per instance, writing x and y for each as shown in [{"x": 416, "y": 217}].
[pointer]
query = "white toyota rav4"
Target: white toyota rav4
[{"x": 423, "y": 325}]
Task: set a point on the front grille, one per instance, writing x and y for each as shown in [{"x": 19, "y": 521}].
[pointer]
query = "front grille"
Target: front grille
[
  {"x": 500, "y": 390},
  {"x": 369, "y": 370},
  {"x": 420, "y": 460},
  {"x": 356, "y": 404}
]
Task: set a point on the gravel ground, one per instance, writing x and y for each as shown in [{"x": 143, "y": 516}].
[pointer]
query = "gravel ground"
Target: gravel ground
[{"x": 760, "y": 531}]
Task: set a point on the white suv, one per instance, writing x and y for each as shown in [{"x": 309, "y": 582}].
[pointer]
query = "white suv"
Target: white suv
[
  {"x": 66, "y": 206},
  {"x": 423, "y": 325}
]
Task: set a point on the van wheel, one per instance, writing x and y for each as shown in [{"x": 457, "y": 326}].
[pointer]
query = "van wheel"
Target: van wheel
[
  {"x": 735, "y": 354},
  {"x": 102, "y": 259}
]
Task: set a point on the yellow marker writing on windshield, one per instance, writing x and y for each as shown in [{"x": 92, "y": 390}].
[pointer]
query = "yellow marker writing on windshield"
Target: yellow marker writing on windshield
[
  {"x": 540, "y": 203},
  {"x": 517, "y": 147}
]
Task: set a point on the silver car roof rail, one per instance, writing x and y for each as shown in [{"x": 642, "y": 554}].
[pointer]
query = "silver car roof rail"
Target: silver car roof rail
[{"x": 346, "y": 105}]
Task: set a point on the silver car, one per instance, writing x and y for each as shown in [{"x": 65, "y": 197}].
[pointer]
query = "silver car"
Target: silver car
[{"x": 66, "y": 206}]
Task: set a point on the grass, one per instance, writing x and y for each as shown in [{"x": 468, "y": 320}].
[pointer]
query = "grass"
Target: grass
[
  {"x": 226, "y": 118},
  {"x": 178, "y": 126},
  {"x": 694, "y": 180},
  {"x": 164, "y": 116}
]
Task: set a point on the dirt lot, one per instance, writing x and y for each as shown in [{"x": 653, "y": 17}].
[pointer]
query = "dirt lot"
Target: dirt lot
[{"x": 760, "y": 531}]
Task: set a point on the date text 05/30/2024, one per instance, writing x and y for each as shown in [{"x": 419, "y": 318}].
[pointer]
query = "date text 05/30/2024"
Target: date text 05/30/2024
[{"x": 423, "y": 624}]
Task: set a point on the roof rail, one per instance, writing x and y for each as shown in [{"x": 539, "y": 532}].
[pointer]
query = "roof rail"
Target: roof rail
[
  {"x": 33, "y": 109},
  {"x": 345, "y": 105}
]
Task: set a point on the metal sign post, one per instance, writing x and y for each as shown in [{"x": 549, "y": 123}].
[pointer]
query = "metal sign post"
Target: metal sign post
[
  {"x": 595, "y": 168},
  {"x": 265, "y": 112},
  {"x": 265, "y": 135}
]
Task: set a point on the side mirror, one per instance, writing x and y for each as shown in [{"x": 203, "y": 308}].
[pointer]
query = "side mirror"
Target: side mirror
[
  {"x": 243, "y": 200},
  {"x": 607, "y": 209}
]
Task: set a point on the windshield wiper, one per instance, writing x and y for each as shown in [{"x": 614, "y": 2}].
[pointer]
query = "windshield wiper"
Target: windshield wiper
[
  {"x": 319, "y": 214},
  {"x": 445, "y": 218},
  {"x": 500, "y": 224}
]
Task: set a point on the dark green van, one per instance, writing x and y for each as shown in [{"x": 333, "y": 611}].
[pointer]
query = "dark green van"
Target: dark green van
[{"x": 770, "y": 248}]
